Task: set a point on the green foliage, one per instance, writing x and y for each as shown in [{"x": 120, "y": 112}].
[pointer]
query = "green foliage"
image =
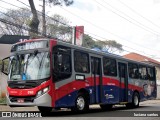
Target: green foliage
[
  {"x": 6, "y": 63},
  {"x": 60, "y": 2},
  {"x": 110, "y": 45},
  {"x": 16, "y": 16},
  {"x": 2, "y": 100},
  {"x": 57, "y": 30},
  {"x": 88, "y": 42}
]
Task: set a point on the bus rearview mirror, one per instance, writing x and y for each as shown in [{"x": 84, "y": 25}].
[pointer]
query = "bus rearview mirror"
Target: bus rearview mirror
[{"x": 4, "y": 68}]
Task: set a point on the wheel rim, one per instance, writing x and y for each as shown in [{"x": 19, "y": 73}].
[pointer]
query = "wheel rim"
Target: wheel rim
[
  {"x": 136, "y": 100},
  {"x": 80, "y": 103}
]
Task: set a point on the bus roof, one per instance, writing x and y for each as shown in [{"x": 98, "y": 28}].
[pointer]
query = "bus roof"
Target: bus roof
[
  {"x": 101, "y": 53},
  {"x": 60, "y": 42}
]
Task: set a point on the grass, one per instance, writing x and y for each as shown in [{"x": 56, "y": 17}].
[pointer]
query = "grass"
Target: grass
[{"x": 2, "y": 100}]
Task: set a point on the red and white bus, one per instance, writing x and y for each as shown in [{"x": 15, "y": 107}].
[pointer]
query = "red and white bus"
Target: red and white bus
[{"x": 53, "y": 74}]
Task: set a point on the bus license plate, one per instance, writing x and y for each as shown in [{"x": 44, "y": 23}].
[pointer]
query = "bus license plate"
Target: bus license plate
[{"x": 20, "y": 100}]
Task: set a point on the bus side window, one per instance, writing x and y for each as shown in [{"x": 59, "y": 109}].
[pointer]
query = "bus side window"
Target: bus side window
[
  {"x": 143, "y": 72},
  {"x": 81, "y": 62},
  {"x": 109, "y": 66},
  {"x": 61, "y": 62},
  {"x": 150, "y": 73},
  {"x": 133, "y": 70}
]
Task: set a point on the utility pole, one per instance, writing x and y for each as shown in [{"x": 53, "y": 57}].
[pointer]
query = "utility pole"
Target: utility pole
[{"x": 43, "y": 19}]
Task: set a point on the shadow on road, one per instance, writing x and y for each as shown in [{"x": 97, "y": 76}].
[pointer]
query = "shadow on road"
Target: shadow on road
[{"x": 94, "y": 112}]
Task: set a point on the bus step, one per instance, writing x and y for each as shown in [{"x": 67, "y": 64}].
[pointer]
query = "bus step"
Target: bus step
[{"x": 123, "y": 102}]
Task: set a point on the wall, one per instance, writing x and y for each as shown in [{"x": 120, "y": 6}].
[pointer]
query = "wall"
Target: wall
[
  {"x": 4, "y": 52},
  {"x": 3, "y": 84},
  {"x": 158, "y": 73}
]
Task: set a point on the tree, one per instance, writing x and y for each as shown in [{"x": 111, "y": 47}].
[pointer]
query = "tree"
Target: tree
[
  {"x": 88, "y": 42},
  {"x": 21, "y": 17},
  {"x": 110, "y": 45},
  {"x": 57, "y": 30},
  {"x": 35, "y": 21}
]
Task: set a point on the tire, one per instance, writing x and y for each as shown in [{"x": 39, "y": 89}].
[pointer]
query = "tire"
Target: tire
[
  {"x": 45, "y": 109},
  {"x": 81, "y": 104},
  {"x": 135, "y": 100},
  {"x": 106, "y": 107}
]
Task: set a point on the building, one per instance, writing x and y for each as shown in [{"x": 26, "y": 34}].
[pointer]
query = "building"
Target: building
[{"x": 141, "y": 58}]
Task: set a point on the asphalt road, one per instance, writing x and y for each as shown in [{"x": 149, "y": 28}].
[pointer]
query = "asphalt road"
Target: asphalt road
[{"x": 118, "y": 112}]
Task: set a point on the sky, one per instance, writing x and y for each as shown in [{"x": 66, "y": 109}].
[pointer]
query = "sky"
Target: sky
[{"x": 133, "y": 23}]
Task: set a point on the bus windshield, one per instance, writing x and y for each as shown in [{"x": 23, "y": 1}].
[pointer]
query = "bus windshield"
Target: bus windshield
[{"x": 31, "y": 66}]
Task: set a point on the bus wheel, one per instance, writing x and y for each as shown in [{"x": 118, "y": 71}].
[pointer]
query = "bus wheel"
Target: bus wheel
[
  {"x": 135, "y": 100},
  {"x": 106, "y": 107},
  {"x": 45, "y": 109},
  {"x": 81, "y": 104}
]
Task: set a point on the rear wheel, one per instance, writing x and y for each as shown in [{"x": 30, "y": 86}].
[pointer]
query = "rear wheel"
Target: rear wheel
[
  {"x": 135, "y": 101},
  {"x": 106, "y": 107},
  {"x": 81, "y": 103},
  {"x": 45, "y": 109}
]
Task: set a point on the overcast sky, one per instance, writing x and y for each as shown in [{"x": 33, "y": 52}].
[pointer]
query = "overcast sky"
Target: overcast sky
[{"x": 133, "y": 23}]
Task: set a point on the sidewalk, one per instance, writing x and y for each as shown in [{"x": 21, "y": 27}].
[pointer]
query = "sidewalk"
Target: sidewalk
[{"x": 7, "y": 108}]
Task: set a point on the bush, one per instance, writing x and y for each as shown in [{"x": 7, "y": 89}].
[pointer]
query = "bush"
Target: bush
[{"x": 2, "y": 100}]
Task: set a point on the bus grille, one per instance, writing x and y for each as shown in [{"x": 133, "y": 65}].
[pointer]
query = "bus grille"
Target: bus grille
[
  {"x": 25, "y": 85},
  {"x": 25, "y": 98}
]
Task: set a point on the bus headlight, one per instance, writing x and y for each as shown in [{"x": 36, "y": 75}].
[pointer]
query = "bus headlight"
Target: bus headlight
[
  {"x": 45, "y": 89},
  {"x": 41, "y": 92}
]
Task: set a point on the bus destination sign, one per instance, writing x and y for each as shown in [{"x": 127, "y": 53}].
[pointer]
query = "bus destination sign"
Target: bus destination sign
[{"x": 29, "y": 46}]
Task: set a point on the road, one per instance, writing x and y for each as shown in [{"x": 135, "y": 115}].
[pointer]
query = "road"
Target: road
[{"x": 118, "y": 112}]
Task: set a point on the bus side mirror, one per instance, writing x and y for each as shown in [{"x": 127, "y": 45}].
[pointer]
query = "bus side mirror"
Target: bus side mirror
[{"x": 5, "y": 64}]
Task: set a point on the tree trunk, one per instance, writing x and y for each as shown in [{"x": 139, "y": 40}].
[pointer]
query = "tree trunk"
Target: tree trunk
[
  {"x": 43, "y": 19},
  {"x": 33, "y": 32}
]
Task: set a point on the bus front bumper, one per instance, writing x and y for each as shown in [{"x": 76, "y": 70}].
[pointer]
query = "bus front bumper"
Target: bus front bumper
[{"x": 43, "y": 100}]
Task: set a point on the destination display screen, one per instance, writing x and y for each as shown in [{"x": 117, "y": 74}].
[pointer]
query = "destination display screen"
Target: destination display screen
[{"x": 30, "y": 45}]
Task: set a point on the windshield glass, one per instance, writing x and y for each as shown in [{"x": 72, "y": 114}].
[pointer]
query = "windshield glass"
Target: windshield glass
[{"x": 32, "y": 66}]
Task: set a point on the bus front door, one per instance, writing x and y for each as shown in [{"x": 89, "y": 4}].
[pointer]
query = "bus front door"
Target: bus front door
[
  {"x": 96, "y": 75},
  {"x": 123, "y": 86}
]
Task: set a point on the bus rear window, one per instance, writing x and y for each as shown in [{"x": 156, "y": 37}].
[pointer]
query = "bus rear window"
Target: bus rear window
[{"x": 151, "y": 74}]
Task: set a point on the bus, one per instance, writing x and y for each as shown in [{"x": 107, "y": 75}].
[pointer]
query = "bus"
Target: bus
[{"x": 49, "y": 73}]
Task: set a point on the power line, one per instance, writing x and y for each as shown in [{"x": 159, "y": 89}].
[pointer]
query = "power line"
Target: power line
[
  {"x": 22, "y": 27},
  {"x": 138, "y": 14},
  {"x": 106, "y": 30},
  {"x": 140, "y": 25},
  {"x": 10, "y": 4},
  {"x": 71, "y": 27}
]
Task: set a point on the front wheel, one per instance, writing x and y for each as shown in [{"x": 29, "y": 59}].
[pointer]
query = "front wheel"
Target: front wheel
[{"x": 81, "y": 104}]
